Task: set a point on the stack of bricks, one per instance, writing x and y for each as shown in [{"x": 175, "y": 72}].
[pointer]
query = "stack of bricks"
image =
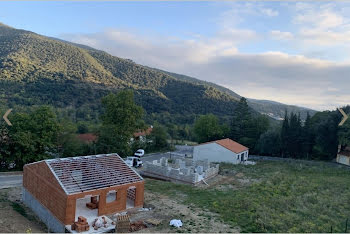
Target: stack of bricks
[
  {"x": 123, "y": 224},
  {"x": 80, "y": 226},
  {"x": 93, "y": 204}
]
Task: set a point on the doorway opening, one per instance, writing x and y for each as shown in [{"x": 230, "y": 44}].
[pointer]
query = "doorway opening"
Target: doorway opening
[
  {"x": 131, "y": 196},
  {"x": 87, "y": 207}
]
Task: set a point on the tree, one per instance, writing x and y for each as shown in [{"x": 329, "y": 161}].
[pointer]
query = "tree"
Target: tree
[
  {"x": 241, "y": 120},
  {"x": 122, "y": 112},
  {"x": 246, "y": 128},
  {"x": 82, "y": 128},
  {"x": 285, "y": 135},
  {"x": 32, "y": 136},
  {"x": 121, "y": 118},
  {"x": 307, "y": 137},
  {"x": 344, "y": 134},
  {"x": 158, "y": 138},
  {"x": 68, "y": 143},
  {"x": 207, "y": 128},
  {"x": 325, "y": 128},
  {"x": 293, "y": 144},
  {"x": 270, "y": 143}
]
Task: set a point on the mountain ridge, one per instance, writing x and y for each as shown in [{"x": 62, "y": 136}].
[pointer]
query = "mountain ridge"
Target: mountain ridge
[
  {"x": 273, "y": 109},
  {"x": 38, "y": 70}
]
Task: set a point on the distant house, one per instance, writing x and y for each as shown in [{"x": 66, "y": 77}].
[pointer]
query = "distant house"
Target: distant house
[
  {"x": 343, "y": 156},
  {"x": 141, "y": 135},
  {"x": 225, "y": 150},
  {"x": 87, "y": 138}
]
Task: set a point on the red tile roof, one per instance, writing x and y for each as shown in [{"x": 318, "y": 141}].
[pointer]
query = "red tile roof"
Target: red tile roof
[
  {"x": 87, "y": 137},
  {"x": 230, "y": 145},
  {"x": 143, "y": 132}
]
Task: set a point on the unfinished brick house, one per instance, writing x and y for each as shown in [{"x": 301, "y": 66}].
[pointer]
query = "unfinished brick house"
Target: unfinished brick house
[{"x": 61, "y": 190}]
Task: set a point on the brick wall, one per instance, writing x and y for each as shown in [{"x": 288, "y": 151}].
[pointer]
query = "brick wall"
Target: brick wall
[
  {"x": 132, "y": 193},
  {"x": 107, "y": 208},
  {"x": 43, "y": 186}
]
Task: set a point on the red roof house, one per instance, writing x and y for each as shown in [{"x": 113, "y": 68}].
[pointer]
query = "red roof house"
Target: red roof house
[{"x": 224, "y": 150}]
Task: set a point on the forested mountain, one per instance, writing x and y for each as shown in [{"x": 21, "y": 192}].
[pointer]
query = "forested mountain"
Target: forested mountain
[
  {"x": 273, "y": 109},
  {"x": 39, "y": 70},
  {"x": 277, "y": 110},
  {"x": 36, "y": 70}
]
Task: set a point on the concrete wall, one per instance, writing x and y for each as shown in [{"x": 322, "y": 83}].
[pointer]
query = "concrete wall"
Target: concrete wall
[
  {"x": 185, "y": 175},
  {"x": 343, "y": 159},
  {"x": 42, "y": 184},
  {"x": 53, "y": 224},
  {"x": 216, "y": 153},
  {"x": 186, "y": 170}
]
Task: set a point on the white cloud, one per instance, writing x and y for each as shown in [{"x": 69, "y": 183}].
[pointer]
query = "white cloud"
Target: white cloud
[
  {"x": 278, "y": 35},
  {"x": 322, "y": 25},
  {"x": 324, "y": 19},
  {"x": 292, "y": 79},
  {"x": 269, "y": 12},
  {"x": 316, "y": 31}
]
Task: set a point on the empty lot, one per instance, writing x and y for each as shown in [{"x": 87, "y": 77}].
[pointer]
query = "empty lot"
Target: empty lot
[{"x": 271, "y": 196}]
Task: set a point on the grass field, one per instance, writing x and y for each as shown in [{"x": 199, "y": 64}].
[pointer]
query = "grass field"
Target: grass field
[{"x": 295, "y": 196}]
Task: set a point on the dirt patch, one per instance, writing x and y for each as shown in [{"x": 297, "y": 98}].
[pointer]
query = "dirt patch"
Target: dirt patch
[
  {"x": 166, "y": 209},
  {"x": 14, "y": 216},
  {"x": 225, "y": 183}
]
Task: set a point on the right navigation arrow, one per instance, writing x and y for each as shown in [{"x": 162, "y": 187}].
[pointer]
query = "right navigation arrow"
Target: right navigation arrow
[{"x": 345, "y": 117}]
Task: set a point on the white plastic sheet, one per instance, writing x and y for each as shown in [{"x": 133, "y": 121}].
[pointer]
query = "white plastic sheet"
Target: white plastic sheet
[{"x": 176, "y": 223}]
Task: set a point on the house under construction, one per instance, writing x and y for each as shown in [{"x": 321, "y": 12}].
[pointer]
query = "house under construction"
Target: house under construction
[{"x": 61, "y": 190}]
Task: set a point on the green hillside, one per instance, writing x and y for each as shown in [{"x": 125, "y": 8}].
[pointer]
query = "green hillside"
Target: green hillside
[
  {"x": 39, "y": 70},
  {"x": 36, "y": 70},
  {"x": 273, "y": 109}
]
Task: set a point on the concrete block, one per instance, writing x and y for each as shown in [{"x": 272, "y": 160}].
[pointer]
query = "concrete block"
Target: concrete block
[
  {"x": 199, "y": 170},
  {"x": 182, "y": 165}
]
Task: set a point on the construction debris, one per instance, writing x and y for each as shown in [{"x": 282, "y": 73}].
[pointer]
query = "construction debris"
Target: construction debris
[
  {"x": 154, "y": 222},
  {"x": 99, "y": 222},
  {"x": 176, "y": 223},
  {"x": 137, "y": 226},
  {"x": 81, "y": 225},
  {"x": 123, "y": 224},
  {"x": 93, "y": 204},
  {"x": 144, "y": 209}
]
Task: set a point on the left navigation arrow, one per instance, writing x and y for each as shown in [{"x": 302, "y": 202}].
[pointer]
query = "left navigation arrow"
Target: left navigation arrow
[{"x": 5, "y": 117}]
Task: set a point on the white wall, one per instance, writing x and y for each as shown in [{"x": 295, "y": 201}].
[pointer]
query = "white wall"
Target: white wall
[
  {"x": 343, "y": 160},
  {"x": 217, "y": 153}
]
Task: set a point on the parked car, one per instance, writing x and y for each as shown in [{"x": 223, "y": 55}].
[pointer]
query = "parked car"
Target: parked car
[
  {"x": 139, "y": 153},
  {"x": 134, "y": 162}
]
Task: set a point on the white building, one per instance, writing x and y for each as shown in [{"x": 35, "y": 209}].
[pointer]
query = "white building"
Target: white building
[
  {"x": 343, "y": 155},
  {"x": 225, "y": 150}
]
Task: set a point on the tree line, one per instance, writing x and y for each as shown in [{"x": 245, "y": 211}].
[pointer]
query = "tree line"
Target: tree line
[
  {"x": 41, "y": 134},
  {"x": 45, "y": 132},
  {"x": 317, "y": 137},
  {"x": 244, "y": 126}
]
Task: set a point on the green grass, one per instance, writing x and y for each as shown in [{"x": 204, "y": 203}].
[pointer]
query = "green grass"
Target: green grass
[
  {"x": 19, "y": 208},
  {"x": 296, "y": 196}
]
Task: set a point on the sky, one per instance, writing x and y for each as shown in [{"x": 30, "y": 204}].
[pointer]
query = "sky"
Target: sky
[{"x": 291, "y": 52}]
